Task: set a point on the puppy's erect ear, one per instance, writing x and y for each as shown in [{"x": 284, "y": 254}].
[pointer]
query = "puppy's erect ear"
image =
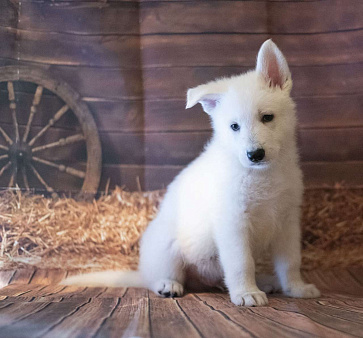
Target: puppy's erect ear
[
  {"x": 272, "y": 65},
  {"x": 204, "y": 95}
]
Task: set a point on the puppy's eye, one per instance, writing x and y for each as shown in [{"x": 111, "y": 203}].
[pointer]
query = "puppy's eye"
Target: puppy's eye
[
  {"x": 235, "y": 126},
  {"x": 267, "y": 118}
]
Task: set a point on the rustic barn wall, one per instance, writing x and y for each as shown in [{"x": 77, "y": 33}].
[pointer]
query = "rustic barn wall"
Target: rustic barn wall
[
  {"x": 94, "y": 47},
  {"x": 132, "y": 62},
  {"x": 188, "y": 43}
]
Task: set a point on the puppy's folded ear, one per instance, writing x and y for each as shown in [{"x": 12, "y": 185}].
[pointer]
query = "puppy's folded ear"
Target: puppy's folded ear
[
  {"x": 203, "y": 95},
  {"x": 272, "y": 65}
]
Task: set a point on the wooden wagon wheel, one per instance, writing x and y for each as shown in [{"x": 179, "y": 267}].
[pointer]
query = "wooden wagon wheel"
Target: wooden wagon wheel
[{"x": 22, "y": 151}]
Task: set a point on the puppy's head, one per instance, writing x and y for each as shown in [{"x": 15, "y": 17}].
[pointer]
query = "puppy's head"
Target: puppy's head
[{"x": 253, "y": 115}]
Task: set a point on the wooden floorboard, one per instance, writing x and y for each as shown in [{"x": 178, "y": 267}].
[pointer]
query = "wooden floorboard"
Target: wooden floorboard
[{"x": 33, "y": 304}]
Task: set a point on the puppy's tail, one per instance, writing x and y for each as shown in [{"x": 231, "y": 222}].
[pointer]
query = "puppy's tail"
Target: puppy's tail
[{"x": 107, "y": 279}]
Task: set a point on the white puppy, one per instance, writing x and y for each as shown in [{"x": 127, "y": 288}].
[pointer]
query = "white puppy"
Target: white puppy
[{"x": 241, "y": 196}]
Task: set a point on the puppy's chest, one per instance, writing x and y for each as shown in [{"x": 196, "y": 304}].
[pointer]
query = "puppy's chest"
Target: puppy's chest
[{"x": 263, "y": 203}]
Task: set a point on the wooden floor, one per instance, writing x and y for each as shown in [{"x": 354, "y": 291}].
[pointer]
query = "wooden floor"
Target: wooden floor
[{"x": 31, "y": 308}]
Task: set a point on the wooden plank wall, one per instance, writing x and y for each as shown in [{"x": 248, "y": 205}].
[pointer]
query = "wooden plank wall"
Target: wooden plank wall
[
  {"x": 188, "y": 43},
  {"x": 95, "y": 47},
  {"x": 132, "y": 62}
]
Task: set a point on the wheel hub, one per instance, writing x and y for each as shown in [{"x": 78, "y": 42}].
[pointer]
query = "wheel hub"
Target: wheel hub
[{"x": 20, "y": 154}]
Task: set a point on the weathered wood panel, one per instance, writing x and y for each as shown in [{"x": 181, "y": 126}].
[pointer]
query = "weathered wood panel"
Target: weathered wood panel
[
  {"x": 130, "y": 316},
  {"x": 210, "y": 49},
  {"x": 95, "y": 47},
  {"x": 80, "y": 50},
  {"x": 52, "y": 311},
  {"x": 91, "y": 315},
  {"x": 250, "y": 16},
  {"x": 327, "y": 80},
  {"x": 169, "y": 312},
  {"x": 9, "y": 13},
  {"x": 241, "y": 317},
  {"x": 9, "y": 47},
  {"x": 313, "y": 112},
  {"x": 109, "y": 115},
  {"x": 86, "y": 18},
  {"x": 94, "y": 82},
  {"x": 179, "y": 148},
  {"x": 152, "y": 177},
  {"x": 172, "y": 83},
  {"x": 170, "y": 115}
]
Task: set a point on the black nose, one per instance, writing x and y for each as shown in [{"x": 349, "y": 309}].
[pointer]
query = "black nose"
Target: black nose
[{"x": 256, "y": 155}]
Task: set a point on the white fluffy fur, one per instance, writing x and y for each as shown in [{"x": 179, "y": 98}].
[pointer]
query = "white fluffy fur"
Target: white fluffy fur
[{"x": 222, "y": 211}]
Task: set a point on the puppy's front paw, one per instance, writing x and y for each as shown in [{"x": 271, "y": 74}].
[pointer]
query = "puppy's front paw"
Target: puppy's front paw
[
  {"x": 254, "y": 298},
  {"x": 169, "y": 288},
  {"x": 303, "y": 291}
]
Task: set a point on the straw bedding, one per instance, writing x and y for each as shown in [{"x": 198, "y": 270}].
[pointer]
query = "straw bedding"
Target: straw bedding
[{"x": 69, "y": 234}]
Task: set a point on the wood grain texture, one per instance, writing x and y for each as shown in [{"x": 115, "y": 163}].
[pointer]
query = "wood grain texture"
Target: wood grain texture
[
  {"x": 87, "y": 321},
  {"x": 81, "y": 50},
  {"x": 6, "y": 277},
  {"x": 159, "y": 83},
  {"x": 139, "y": 313},
  {"x": 271, "y": 17},
  {"x": 208, "y": 321},
  {"x": 9, "y": 13},
  {"x": 91, "y": 82},
  {"x": 134, "y": 75},
  {"x": 23, "y": 276},
  {"x": 244, "y": 316},
  {"x": 110, "y": 115},
  {"x": 166, "y": 313},
  {"x": 42, "y": 276},
  {"x": 209, "y": 49},
  {"x": 45, "y": 315},
  {"x": 325, "y": 317},
  {"x": 161, "y": 156},
  {"x": 130, "y": 316},
  {"x": 170, "y": 115},
  {"x": 313, "y": 112},
  {"x": 83, "y": 18},
  {"x": 179, "y": 148},
  {"x": 153, "y": 177}
]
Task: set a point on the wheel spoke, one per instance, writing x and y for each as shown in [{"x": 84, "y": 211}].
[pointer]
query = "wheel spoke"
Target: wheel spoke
[
  {"x": 37, "y": 97},
  {"x": 4, "y": 147},
  {"x": 13, "y": 109},
  {"x": 41, "y": 180},
  {"x": 25, "y": 178},
  {"x": 5, "y": 167},
  {"x": 5, "y": 136},
  {"x": 61, "y": 142},
  {"x": 4, "y": 156},
  {"x": 61, "y": 167},
  {"x": 51, "y": 122},
  {"x": 12, "y": 179}
]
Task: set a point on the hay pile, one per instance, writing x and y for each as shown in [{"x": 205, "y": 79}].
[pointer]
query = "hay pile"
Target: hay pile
[{"x": 65, "y": 233}]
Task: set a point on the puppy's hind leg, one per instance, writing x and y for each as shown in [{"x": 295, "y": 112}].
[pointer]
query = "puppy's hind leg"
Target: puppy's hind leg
[{"x": 161, "y": 264}]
